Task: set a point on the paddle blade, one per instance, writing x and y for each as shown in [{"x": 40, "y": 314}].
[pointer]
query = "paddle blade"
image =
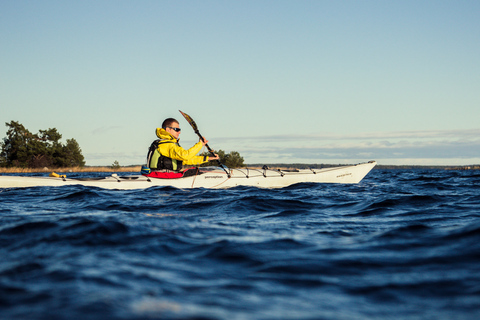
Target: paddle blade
[{"x": 190, "y": 120}]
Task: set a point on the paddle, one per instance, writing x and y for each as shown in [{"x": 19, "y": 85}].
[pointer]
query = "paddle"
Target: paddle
[{"x": 195, "y": 128}]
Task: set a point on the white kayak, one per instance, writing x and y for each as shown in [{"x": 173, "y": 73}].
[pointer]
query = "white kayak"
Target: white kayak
[{"x": 209, "y": 177}]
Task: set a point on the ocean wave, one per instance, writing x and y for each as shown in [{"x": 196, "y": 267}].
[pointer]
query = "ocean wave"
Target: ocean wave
[{"x": 400, "y": 244}]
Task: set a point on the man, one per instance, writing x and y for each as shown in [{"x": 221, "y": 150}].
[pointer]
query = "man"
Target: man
[{"x": 167, "y": 155}]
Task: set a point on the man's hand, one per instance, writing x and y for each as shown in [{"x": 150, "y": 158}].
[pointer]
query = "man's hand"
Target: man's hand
[{"x": 214, "y": 158}]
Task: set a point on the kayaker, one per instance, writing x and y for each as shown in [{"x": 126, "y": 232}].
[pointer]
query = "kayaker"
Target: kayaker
[{"x": 170, "y": 157}]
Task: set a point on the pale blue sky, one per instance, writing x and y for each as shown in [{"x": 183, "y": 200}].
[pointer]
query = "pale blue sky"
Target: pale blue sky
[{"x": 278, "y": 81}]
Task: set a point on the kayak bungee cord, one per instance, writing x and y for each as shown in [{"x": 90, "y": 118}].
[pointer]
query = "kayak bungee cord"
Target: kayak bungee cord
[{"x": 195, "y": 128}]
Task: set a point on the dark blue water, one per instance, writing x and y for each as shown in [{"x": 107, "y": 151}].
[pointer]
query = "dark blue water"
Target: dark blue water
[{"x": 399, "y": 245}]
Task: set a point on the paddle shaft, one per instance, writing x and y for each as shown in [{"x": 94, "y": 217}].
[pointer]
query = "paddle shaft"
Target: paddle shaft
[
  {"x": 195, "y": 128},
  {"x": 206, "y": 144}
]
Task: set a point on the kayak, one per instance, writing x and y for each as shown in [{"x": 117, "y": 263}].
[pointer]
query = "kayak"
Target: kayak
[{"x": 208, "y": 177}]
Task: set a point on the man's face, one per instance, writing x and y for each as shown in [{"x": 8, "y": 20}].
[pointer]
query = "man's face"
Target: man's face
[{"x": 174, "y": 129}]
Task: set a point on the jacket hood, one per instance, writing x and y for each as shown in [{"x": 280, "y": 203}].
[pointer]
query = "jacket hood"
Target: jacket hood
[{"x": 163, "y": 134}]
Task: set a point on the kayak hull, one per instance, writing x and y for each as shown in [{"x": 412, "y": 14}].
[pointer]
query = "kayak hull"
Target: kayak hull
[{"x": 211, "y": 178}]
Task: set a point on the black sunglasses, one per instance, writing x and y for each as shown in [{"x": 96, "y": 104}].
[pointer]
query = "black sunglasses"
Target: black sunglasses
[{"x": 175, "y": 129}]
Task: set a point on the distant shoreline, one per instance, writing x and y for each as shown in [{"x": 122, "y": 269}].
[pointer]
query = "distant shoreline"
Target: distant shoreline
[
  {"x": 137, "y": 168},
  {"x": 378, "y": 166},
  {"x": 404, "y": 167},
  {"x": 72, "y": 169}
]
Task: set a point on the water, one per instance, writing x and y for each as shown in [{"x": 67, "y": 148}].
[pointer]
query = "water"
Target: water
[{"x": 399, "y": 245}]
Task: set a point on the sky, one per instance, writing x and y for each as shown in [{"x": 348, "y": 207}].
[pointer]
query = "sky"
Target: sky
[{"x": 332, "y": 82}]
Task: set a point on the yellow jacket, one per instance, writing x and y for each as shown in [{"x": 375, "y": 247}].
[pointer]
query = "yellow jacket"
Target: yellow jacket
[{"x": 174, "y": 151}]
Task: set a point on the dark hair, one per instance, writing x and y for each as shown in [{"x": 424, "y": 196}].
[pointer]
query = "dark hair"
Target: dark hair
[{"x": 168, "y": 122}]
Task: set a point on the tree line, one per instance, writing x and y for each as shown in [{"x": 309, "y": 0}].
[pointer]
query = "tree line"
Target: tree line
[{"x": 21, "y": 148}]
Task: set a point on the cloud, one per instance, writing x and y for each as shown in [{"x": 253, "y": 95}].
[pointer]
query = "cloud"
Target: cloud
[
  {"x": 107, "y": 158},
  {"x": 436, "y": 145},
  {"x": 415, "y": 134},
  {"x": 399, "y": 150}
]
